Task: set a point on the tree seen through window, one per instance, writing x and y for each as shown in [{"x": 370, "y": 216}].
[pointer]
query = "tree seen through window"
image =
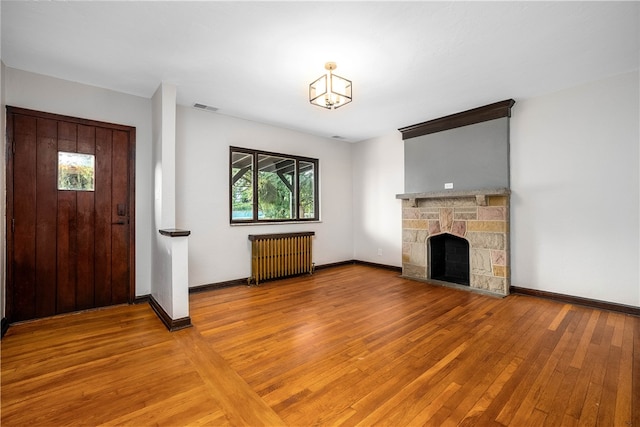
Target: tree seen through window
[{"x": 285, "y": 186}]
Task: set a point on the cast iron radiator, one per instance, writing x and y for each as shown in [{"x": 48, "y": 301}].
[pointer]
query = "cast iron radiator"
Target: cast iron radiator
[{"x": 280, "y": 255}]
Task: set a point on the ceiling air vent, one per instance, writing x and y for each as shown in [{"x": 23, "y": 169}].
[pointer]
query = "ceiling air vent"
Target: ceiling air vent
[{"x": 204, "y": 107}]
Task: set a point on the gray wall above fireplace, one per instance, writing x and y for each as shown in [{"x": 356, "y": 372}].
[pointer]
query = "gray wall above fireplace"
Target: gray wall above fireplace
[
  {"x": 465, "y": 151},
  {"x": 470, "y": 157}
]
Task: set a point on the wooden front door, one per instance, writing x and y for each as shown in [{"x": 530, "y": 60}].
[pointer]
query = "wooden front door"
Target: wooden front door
[{"x": 70, "y": 214}]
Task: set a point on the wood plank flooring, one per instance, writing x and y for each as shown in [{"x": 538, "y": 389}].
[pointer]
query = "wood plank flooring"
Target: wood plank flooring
[{"x": 350, "y": 345}]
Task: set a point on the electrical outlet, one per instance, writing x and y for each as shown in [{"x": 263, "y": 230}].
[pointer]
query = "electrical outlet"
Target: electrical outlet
[
  {"x": 379, "y": 251},
  {"x": 448, "y": 185}
]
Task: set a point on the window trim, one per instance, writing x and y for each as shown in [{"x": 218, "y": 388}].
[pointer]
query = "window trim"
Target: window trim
[{"x": 297, "y": 159}]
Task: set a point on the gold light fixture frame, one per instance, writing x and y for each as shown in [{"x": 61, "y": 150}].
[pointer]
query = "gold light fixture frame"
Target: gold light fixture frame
[{"x": 330, "y": 91}]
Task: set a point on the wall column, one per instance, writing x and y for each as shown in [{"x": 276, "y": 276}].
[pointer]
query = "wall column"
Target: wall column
[{"x": 170, "y": 279}]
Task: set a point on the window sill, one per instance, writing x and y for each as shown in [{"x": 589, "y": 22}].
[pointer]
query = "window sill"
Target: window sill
[{"x": 237, "y": 224}]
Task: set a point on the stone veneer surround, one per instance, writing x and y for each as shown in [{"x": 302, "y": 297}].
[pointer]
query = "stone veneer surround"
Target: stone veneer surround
[{"x": 481, "y": 217}]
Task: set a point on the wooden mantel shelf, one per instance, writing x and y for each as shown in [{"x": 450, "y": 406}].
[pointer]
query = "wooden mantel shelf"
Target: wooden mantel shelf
[{"x": 480, "y": 195}]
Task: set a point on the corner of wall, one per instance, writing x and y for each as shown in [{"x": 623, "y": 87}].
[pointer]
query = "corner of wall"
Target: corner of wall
[{"x": 3, "y": 234}]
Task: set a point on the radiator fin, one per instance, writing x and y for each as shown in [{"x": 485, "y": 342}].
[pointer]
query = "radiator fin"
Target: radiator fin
[{"x": 280, "y": 255}]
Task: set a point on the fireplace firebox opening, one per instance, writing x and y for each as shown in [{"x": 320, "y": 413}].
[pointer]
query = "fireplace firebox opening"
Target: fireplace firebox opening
[{"x": 449, "y": 259}]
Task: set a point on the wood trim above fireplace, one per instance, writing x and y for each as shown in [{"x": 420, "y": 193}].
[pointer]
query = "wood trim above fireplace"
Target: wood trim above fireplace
[{"x": 485, "y": 113}]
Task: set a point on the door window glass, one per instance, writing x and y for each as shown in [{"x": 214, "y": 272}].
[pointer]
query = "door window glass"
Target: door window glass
[{"x": 76, "y": 171}]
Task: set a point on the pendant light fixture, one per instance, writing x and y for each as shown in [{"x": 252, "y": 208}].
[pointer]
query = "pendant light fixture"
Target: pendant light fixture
[{"x": 330, "y": 91}]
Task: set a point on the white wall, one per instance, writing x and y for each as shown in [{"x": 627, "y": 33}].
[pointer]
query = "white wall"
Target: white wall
[
  {"x": 575, "y": 186},
  {"x": 220, "y": 252},
  {"x": 164, "y": 155},
  {"x": 37, "y": 92},
  {"x": 378, "y": 175},
  {"x": 574, "y": 151}
]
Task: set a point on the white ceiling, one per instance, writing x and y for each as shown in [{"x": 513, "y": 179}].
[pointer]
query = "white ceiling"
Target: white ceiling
[{"x": 409, "y": 61}]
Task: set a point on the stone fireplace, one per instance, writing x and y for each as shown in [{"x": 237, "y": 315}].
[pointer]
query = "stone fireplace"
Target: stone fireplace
[
  {"x": 480, "y": 217},
  {"x": 458, "y": 236}
]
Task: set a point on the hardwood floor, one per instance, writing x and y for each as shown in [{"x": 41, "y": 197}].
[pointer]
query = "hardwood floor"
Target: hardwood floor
[{"x": 351, "y": 345}]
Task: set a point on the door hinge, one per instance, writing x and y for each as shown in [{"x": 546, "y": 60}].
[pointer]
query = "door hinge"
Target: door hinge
[{"x": 13, "y": 225}]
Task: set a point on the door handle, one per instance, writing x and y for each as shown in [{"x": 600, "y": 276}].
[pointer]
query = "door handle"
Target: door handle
[{"x": 119, "y": 222}]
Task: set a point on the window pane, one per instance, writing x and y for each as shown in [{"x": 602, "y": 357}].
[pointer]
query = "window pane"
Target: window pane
[
  {"x": 306, "y": 181},
  {"x": 275, "y": 187},
  {"x": 76, "y": 171},
  {"x": 241, "y": 186}
]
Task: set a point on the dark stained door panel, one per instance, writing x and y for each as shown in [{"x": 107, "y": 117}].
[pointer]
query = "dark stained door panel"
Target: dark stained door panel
[{"x": 68, "y": 249}]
